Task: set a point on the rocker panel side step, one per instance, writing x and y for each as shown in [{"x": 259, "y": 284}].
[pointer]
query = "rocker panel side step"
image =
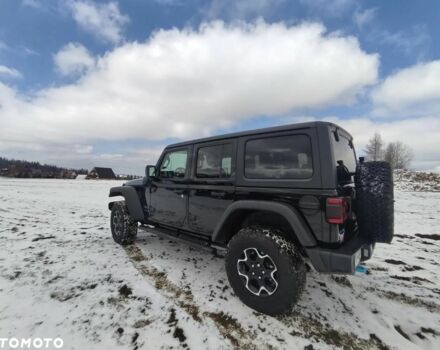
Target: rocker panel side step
[{"x": 182, "y": 236}]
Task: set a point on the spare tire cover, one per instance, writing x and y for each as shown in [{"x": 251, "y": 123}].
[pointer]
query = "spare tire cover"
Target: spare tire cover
[{"x": 375, "y": 201}]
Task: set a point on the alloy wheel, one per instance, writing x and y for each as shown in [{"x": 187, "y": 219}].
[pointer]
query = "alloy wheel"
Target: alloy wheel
[{"x": 259, "y": 272}]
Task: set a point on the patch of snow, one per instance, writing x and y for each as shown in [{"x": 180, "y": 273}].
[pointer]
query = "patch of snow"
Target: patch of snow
[{"x": 61, "y": 275}]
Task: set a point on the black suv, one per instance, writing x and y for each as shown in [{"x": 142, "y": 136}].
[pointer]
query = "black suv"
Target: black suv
[{"x": 271, "y": 199}]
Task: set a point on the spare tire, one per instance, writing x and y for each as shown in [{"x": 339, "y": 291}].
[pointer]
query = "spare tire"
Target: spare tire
[{"x": 375, "y": 201}]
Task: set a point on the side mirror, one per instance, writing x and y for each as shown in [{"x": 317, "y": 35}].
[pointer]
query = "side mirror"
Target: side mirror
[{"x": 150, "y": 171}]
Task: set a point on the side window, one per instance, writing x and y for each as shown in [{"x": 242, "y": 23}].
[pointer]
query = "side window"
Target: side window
[
  {"x": 174, "y": 164},
  {"x": 208, "y": 162},
  {"x": 280, "y": 157},
  {"x": 214, "y": 161}
]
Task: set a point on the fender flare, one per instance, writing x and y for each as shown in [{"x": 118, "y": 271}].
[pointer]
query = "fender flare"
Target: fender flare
[
  {"x": 297, "y": 223},
  {"x": 132, "y": 200}
]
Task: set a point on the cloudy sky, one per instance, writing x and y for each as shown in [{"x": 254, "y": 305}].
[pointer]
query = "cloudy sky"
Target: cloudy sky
[{"x": 110, "y": 83}]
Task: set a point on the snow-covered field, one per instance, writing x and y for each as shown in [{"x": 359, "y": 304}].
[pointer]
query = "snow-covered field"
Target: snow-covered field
[{"x": 61, "y": 275}]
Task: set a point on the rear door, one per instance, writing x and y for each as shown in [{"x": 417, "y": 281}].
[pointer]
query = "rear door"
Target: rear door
[
  {"x": 168, "y": 190},
  {"x": 212, "y": 184}
]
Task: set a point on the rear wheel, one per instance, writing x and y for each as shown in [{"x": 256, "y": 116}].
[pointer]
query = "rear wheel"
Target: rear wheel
[
  {"x": 265, "y": 270},
  {"x": 124, "y": 229},
  {"x": 375, "y": 201}
]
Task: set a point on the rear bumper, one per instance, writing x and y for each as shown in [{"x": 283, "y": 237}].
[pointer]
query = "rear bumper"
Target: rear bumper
[{"x": 343, "y": 259}]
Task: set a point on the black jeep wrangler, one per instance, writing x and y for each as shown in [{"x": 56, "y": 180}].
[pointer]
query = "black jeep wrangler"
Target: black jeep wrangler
[{"x": 271, "y": 199}]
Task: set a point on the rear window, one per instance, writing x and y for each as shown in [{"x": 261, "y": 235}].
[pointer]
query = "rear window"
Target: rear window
[
  {"x": 344, "y": 151},
  {"x": 280, "y": 157}
]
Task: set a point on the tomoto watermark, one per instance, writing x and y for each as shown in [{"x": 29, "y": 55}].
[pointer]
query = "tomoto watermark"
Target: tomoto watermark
[{"x": 31, "y": 343}]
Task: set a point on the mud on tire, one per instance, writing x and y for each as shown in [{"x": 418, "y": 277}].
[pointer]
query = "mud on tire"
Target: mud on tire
[
  {"x": 124, "y": 229},
  {"x": 375, "y": 201},
  {"x": 269, "y": 248}
]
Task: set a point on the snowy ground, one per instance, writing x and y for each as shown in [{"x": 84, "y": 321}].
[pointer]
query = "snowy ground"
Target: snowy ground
[{"x": 61, "y": 275}]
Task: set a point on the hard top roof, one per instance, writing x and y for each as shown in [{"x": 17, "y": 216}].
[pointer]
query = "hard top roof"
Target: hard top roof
[{"x": 287, "y": 127}]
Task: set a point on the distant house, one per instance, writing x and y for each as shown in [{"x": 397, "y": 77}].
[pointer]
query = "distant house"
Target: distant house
[
  {"x": 101, "y": 173},
  {"x": 67, "y": 174}
]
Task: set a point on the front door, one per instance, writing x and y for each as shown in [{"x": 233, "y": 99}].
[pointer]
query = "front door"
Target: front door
[{"x": 168, "y": 190}]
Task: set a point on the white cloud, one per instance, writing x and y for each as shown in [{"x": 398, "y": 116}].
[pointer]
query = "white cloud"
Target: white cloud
[
  {"x": 239, "y": 9},
  {"x": 73, "y": 59},
  {"x": 363, "y": 17},
  {"x": 188, "y": 83},
  {"x": 9, "y": 72},
  {"x": 105, "y": 21},
  {"x": 83, "y": 149},
  {"x": 413, "y": 90}
]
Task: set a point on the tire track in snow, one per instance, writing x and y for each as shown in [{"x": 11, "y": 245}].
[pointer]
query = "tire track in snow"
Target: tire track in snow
[{"x": 228, "y": 327}]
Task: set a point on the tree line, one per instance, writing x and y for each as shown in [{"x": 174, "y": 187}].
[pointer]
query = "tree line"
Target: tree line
[
  {"x": 398, "y": 154},
  {"x": 23, "y": 168}
]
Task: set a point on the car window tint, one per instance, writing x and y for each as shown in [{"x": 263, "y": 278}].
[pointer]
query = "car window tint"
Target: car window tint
[
  {"x": 174, "y": 164},
  {"x": 280, "y": 157},
  {"x": 214, "y": 161},
  {"x": 344, "y": 152},
  {"x": 209, "y": 161}
]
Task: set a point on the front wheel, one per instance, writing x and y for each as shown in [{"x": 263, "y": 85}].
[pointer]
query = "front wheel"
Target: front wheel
[
  {"x": 123, "y": 227},
  {"x": 265, "y": 270}
]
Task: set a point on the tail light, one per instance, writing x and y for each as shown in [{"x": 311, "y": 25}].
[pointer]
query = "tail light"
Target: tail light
[{"x": 337, "y": 210}]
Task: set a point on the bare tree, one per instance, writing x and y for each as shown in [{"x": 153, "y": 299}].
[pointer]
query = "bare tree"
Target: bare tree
[
  {"x": 398, "y": 155},
  {"x": 375, "y": 148}
]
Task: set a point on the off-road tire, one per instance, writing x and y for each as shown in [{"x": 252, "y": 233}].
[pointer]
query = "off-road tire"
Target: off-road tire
[
  {"x": 124, "y": 228},
  {"x": 374, "y": 204},
  {"x": 290, "y": 274}
]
